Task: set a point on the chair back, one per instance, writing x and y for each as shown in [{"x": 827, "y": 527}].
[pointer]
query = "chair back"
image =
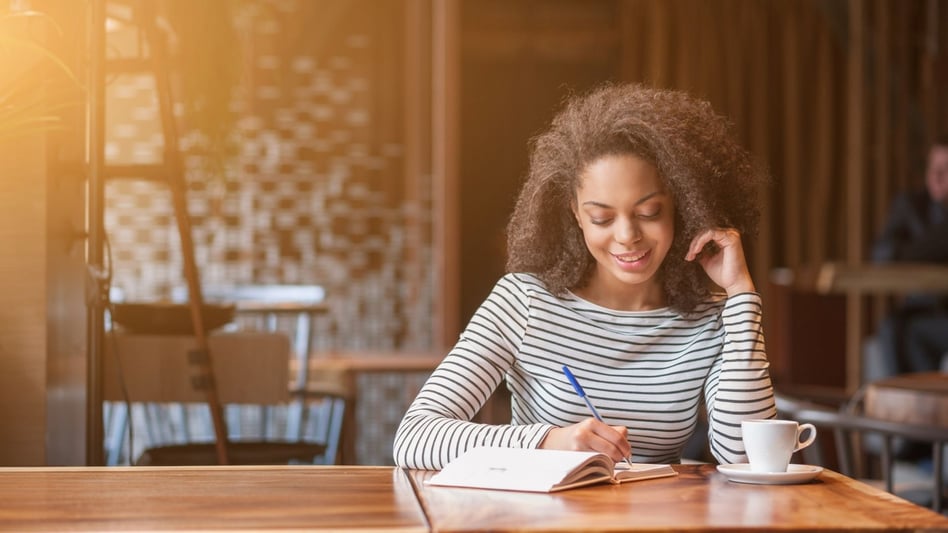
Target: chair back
[
  {"x": 852, "y": 429},
  {"x": 250, "y": 368}
]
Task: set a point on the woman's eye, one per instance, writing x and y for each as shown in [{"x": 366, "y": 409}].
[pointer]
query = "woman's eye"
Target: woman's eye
[
  {"x": 651, "y": 214},
  {"x": 598, "y": 221}
]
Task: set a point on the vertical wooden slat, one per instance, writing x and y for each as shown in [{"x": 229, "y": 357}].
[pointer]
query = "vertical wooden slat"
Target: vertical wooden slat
[
  {"x": 23, "y": 330},
  {"x": 939, "y": 31},
  {"x": 881, "y": 115},
  {"x": 883, "y": 140},
  {"x": 417, "y": 154},
  {"x": 792, "y": 149},
  {"x": 726, "y": 88},
  {"x": 761, "y": 131},
  {"x": 446, "y": 87},
  {"x": 96, "y": 240},
  {"x": 855, "y": 174},
  {"x": 658, "y": 44},
  {"x": 631, "y": 43},
  {"x": 903, "y": 160},
  {"x": 822, "y": 176},
  {"x": 927, "y": 74},
  {"x": 67, "y": 278},
  {"x": 387, "y": 105}
]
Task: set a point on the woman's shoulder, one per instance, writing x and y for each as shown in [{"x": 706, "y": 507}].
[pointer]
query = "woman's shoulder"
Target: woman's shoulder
[
  {"x": 527, "y": 289},
  {"x": 523, "y": 282}
]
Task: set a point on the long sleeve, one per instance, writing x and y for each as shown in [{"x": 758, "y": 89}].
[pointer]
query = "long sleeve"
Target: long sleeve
[
  {"x": 437, "y": 426},
  {"x": 739, "y": 385}
]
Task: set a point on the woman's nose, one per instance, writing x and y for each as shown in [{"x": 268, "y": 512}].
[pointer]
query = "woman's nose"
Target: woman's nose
[{"x": 627, "y": 231}]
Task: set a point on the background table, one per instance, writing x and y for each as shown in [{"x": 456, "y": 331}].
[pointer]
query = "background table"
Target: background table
[
  {"x": 300, "y": 498},
  {"x": 699, "y": 499},
  {"x": 343, "y": 369},
  {"x": 920, "y": 398},
  {"x": 865, "y": 279}
]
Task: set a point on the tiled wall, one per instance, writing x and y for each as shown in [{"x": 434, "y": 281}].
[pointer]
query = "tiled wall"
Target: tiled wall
[{"x": 313, "y": 196}]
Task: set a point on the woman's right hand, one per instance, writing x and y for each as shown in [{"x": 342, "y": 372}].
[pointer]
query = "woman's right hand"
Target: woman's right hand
[{"x": 590, "y": 435}]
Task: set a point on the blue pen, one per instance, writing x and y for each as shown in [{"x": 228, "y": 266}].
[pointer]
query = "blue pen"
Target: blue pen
[{"x": 582, "y": 394}]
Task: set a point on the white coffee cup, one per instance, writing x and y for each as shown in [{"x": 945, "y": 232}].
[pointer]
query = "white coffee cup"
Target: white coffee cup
[{"x": 770, "y": 443}]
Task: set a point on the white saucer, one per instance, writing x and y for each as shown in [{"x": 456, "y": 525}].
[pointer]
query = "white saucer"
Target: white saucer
[{"x": 741, "y": 473}]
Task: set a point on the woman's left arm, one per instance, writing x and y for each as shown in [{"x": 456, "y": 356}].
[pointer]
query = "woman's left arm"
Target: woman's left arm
[{"x": 739, "y": 386}]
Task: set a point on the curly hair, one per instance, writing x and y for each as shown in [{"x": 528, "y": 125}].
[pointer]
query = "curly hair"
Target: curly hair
[{"x": 713, "y": 181}]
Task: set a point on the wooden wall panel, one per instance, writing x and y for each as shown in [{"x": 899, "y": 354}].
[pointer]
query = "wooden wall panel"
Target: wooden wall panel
[
  {"x": 23, "y": 314},
  {"x": 854, "y": 152},
  {"x": 446, "y": 80},
  {"x": 417, "y": 86}
]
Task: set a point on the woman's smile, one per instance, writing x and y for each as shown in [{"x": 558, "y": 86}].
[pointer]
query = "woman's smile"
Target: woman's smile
[{"x": 632, "y": 261}]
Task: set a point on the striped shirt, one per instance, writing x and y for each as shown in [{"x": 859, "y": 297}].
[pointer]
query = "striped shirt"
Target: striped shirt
[{"x": 646, "y": 370}]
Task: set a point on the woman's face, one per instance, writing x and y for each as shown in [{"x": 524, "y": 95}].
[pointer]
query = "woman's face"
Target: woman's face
[{"x": 628, "y": 221}]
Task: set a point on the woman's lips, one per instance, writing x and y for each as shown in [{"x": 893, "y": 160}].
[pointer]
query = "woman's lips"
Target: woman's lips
[{"x": 631, "y": 260}]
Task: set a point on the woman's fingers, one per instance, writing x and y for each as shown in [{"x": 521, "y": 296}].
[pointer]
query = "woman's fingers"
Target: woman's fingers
[
  {"x": 725, "y": 263},
  {"x": 722, "y": 237},
  {"x": 590, "y": 435}
]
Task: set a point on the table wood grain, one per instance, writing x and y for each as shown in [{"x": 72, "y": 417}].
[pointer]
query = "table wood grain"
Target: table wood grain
[
  {"x": 698, "y": 499},
  {"x": 291, "y": 498}
]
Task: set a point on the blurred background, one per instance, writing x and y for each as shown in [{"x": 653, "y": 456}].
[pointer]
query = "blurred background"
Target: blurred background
[{"x": 374, "y": 149}]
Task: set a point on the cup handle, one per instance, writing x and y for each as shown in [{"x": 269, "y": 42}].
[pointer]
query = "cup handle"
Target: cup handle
[{"x": 809, "y": 440}]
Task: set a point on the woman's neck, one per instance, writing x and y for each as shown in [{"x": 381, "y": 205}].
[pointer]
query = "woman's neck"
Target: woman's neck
[{"x": 622, "y": 296}]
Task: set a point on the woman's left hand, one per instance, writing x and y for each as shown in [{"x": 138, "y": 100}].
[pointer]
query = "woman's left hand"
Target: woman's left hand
[{"x": 727, "y": 267}]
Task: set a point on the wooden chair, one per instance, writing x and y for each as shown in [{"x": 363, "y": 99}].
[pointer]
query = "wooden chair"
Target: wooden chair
[
  {"x": 292, "y": 309},
  {"x": 251, "y": 369},
  {"x": 850, "y": 428}
]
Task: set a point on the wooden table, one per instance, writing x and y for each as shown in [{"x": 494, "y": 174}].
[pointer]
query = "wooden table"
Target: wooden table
[
  {"x": 389, "y": 499},
  {"x": 920, "y": 398},
  {"x": 292, "y": 498},
  {"x": 699, "y": 499},
  {"x": 862, "y": 279}
]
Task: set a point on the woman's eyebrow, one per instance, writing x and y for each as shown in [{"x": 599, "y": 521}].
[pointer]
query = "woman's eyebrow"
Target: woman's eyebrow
[{"x": 641, "y": 200}]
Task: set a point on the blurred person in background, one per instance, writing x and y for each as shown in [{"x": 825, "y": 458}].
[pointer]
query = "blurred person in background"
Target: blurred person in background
[{"x": 914, "y": 336}]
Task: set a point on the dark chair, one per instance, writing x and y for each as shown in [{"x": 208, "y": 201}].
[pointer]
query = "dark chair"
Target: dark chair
[
  {"x": 854, "y": 432},
  {"x": 265, "y": 451}
]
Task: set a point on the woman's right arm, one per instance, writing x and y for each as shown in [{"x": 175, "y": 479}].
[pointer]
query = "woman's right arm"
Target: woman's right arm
[{"x": 437, "y": 426}]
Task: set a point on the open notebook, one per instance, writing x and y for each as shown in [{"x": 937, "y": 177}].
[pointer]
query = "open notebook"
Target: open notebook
[{"x": 535, "y": 470}]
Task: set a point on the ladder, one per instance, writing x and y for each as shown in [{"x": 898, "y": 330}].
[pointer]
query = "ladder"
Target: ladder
[{"x": 171, "y": 170}]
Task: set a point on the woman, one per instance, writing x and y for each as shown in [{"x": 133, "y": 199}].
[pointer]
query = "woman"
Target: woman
[{"x": 625, "y": 264}]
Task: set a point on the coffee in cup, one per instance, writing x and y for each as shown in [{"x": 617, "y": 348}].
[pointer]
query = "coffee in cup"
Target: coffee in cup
[{"x": 769, "y": 443}]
